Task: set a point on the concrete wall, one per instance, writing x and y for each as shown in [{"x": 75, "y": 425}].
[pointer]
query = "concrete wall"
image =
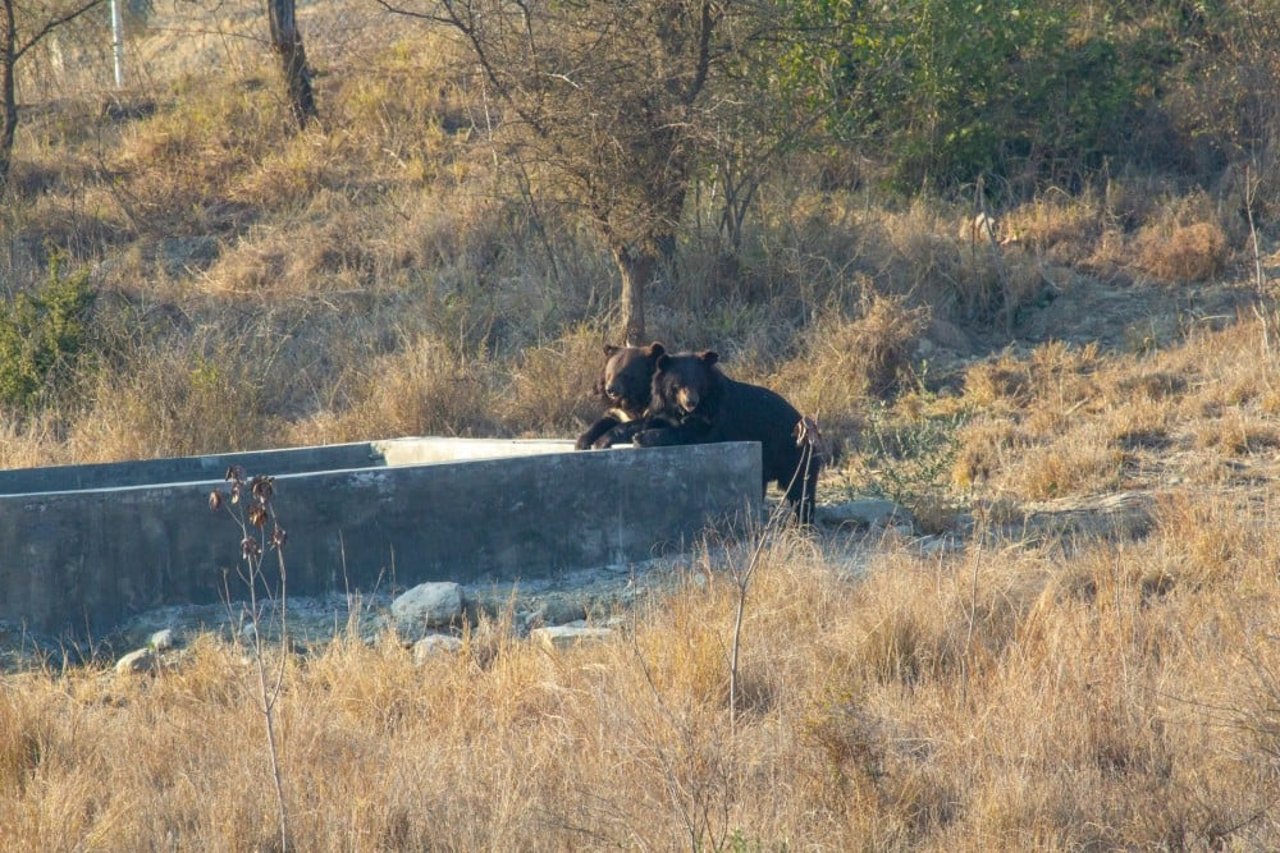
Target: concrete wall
[
  {"x": 329, "y": 457},
  {"x": 186, "y": 469},
  {"x": 81, "y": 561}
]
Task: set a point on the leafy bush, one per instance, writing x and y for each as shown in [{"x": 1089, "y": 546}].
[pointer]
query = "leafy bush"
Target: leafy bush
[
  {"x": 908, "y": 455},
  {"x": 44, "y": 338},
  {"x": 947, "y": 90}
]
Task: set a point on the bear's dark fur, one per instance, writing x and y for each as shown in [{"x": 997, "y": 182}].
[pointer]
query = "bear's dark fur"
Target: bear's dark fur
[
  {"x": 625, "y": 385},
  {"x": 693, "y": 402}
]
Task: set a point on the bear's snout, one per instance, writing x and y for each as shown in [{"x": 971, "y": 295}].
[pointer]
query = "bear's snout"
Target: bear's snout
[
  {"x": 688, "y": 399},
  {"x": 613, "y": 390}
]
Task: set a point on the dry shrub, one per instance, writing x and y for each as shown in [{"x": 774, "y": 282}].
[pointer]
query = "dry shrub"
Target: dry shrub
[
  {"x": 1004, "y": 382},
  {"x": 846, "y": 360},
  {"x": 1143, "y": 424},
  {"x": 1182, "y": 238},
  {"x": 1236, "y": 434},
  {"x": 993, "y": 284},
  {"x": 985, "y": 447},
  {"x": 193, "y": 150},
  {"x": 249, "y": 269},
  {"x": 920, "y": 253},
  {"x": 293, "y": 171},
  {"x": 1151, "y": 385},
  {"x": 550, "y": 388},
  {"x": 176, "y": 403},
  {"x": 1056, "y": 375},
  {"x": 426, "y": 388},
  {"x": 81, "y": 222},
  {"x": 1193, "y": 252},
  {"x": 917, "y": 619},
  {"x": 1111, "y": 256},
  {"x": 331, "y": 250},
  {"x": 30, "y": 442},
  {"x": 1062, "y": 229},
  {"x": 1231, "y": 368},
  {"x": 1210, "y": 538},
  {"x": 921, "y": 240}
]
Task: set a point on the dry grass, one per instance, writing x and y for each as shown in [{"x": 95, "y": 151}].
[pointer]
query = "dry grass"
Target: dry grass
[
  {"x": 991, "y": 699},
  {"x": 1066, "y": 421},
  {"x": 1186, "y": 253},
  {"x": 1062, "y": 229},
  {"x": 383, "y": 276},
  {"x": 845, "y": 361}
]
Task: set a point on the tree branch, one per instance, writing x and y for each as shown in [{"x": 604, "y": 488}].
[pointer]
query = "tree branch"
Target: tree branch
[{"x": 52, "y": 24}]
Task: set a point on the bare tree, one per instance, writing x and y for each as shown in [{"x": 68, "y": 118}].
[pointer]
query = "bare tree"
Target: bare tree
[
  {"x": 21, "y": 28},
  {"x": 286, "y": 41},
  {"x": 611, "y": 99}
]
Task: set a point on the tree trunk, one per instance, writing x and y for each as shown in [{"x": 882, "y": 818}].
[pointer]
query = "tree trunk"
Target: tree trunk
[
  {"x": 8, "y": 57},
  {"x": 287, "y": 42},
  {"x": 637, "y": 268}
]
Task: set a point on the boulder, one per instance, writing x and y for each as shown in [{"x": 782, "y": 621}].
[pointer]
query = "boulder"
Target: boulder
[
  {"x": 427, "y": 606},
  {"x": 434, "y": 645},
  {"x": 564, "y": 636},
  {"x": 163, "y": 640},
  {"x": 141, "y": 660},
  {"x": 864, "y": 513}
]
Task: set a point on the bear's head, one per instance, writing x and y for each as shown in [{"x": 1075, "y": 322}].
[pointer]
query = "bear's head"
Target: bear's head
[
  {"x": 628, "y": 376},
  {"x": 686, "y": 381}
]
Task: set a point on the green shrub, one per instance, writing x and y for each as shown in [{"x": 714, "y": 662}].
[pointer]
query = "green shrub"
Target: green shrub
[
  {"x": 44, "y": 338},
  {"x": 945, "y": 91},
  {"x": 908, "y": 457}
]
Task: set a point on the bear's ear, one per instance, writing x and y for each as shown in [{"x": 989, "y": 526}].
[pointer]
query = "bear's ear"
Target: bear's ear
[
  {"x": 663, "y": 361},
  {"x": 708, "y": 358},
  {"x": 656, "y": 349},
  {"x": 610, "y": 350}
]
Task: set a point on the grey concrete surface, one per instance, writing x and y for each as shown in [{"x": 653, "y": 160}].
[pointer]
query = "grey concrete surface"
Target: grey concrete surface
[
  {"x": 185, "y": 469},
  {"x": 329, "y": 457},
  {"x": 81, "y": 561}
]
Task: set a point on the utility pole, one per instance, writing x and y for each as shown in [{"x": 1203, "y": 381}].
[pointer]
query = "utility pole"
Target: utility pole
[{"x": 117, "y": 41}]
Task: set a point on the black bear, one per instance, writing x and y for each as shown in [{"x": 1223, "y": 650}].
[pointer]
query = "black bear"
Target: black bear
[
  {"x": 625, "y": 385},
  {"x": 693, "y": 402}
]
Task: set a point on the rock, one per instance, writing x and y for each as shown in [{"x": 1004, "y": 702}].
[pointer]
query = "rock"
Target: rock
[
  {"x": 433, "y": 645},
  {"x": 556, "y": 609},
  {"x": 866, "y": 513},
  {"x": 141, "y": 660},
  {"x": 163, "y": 640},
  {"x": 427, "y": 605},
  {"x": 564, "y": 636}
]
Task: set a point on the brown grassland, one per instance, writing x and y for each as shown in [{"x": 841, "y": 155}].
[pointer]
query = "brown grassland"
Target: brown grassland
[{"x": 1082, "y": 410}]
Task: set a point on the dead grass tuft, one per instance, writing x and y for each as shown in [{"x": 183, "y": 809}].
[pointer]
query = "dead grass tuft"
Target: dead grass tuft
[
  {"x": 986, "y": 445},
  {"x": 1059, "y": 228},
  {"x": 848, "y": 359},
  {"x": 1195, "y": 252},
  {"x": 426, "y": 388},
  {"x": 175, "y": 404},
  {"x": 551, "y": 386},
  {"x": 1237, "y": 434}
]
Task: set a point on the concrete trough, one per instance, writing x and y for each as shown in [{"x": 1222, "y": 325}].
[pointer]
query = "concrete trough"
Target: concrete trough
[{"x": 84, "y": 547}]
